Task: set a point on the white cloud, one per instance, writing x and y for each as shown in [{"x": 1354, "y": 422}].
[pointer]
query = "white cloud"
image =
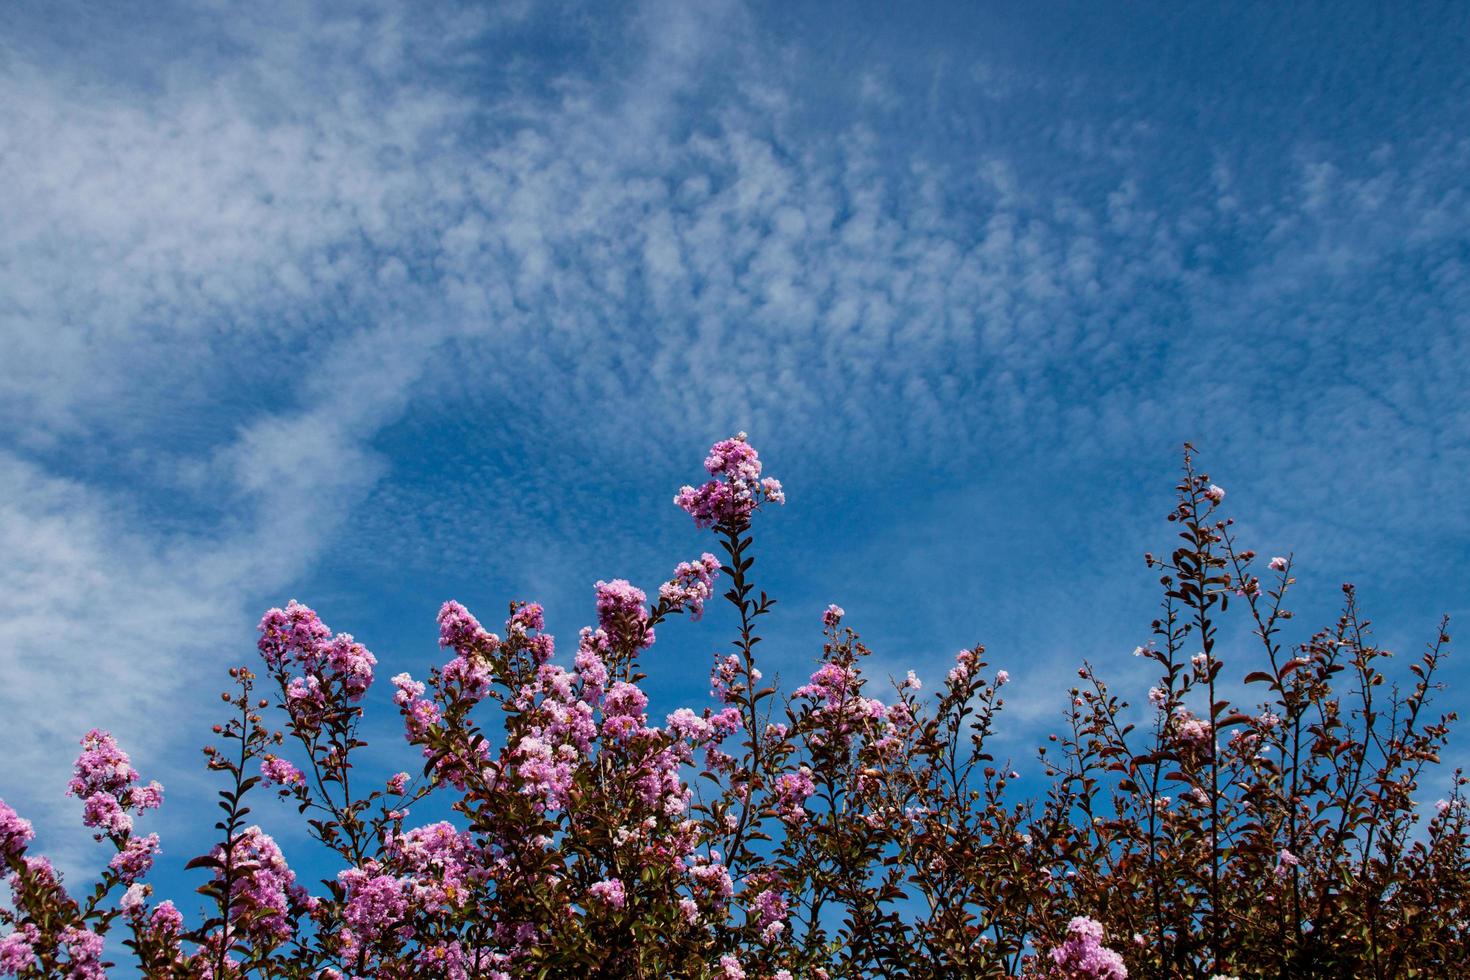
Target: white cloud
[{"x": 223, "y": 282}]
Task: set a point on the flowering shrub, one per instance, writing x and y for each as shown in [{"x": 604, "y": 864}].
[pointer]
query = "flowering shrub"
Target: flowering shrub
[{"x": 838, "y": 831}]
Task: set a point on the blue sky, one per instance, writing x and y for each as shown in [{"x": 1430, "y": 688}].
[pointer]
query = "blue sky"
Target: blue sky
[{"x": 375, "y": 305}]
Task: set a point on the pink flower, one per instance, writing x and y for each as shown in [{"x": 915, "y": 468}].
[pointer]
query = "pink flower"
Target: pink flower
[
  {"x": 136, "y": 858},
  {"x": 466, "y": 678},
  {"x": 792, "y": 789},
  {"x": 527, "y": 616},
  {"x": 723, "y": 677},
  {"x": 832, "y": 616},
  {"x": 1278, "y": 564},
  {"x": 623, "y": 710},
  {"x": 829, "y": 682},
  {"x": 274, "y": 770},
  {"x": 712, "y": 878},
  {"x": 734, "y": 458},
  {"x": 15, "y": 832},
  {"x": 17, "y": 950},
  {"x": 692, "y": 585},
  {"x": 608, "y": 893},
  {"x": 1285, "y": 861},
  {"x": 1083, "y": 956},
  {"x": 964, "y": 666},
  {"x": 1215, "y": 494},
  {"x": 166, "y": 920},
  {"x": 769, "y": 909},
  {"x": 290, "y": 634},
  {"x": 1193, "y": 730},
  {"x": 460, "y": 630},
  {"x": 351, "y": 663},
  {"x": 133, "y": 899},
  {"x": 104, "y": 813},
  {"x": 101, "y": 768},
  {"x": 375, "y": 903},
  {"x": 737, "y": 490},
  {"x": 84, "y": 949},
  {"x": 621, "y": 614},
  {"x": 260, "y": 895},
  {"x": 1002, "y": 678}
]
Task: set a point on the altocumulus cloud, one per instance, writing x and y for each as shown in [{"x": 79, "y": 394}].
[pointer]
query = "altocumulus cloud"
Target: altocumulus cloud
[{"x": 244, "y": 268}]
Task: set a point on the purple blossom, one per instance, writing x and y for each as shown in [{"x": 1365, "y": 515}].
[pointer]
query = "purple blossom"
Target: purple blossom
[
  {"x": 84, "y": 951},
  {"x": 608, "y": 893},
  {"x": 17, "y": 950},
  {"x": 734, "y": 458},
  {"x": 964, "y": 666},
  {"x": 623, "y": 710},
  {"x": 712, "y": 878},
  {"x": 791, "y": 792},
  {"x": 621, "y": 614},
  {"x": 133, "y": 899},
  {"x": 101, "y": 768},
  {"x": 470, "y": 677},
  {"x": 692, "y": 585},
  {"x": 769, "y": 909},
  {"x": 1083, "y": 956},
  {"x": 526, "y": 618},
  {"x": 275, "y": 770},
  {"x": 136, "y": 858},
  {"x": 106, "y": 815},
  {"x": 15, "y": 832},
  {"x": 723, "y": 676},
  {"x": 290, "y": 634},
  {"x": 352, "y": 664},
  {"x": 166, "y": 919},
  {"x": 829, "y": 683},
  {"x": 259, "y": 897},
  {"x": 375, "y": 902},
  {"x": 737, "y": 489},
  {"x": 591, "y": 668},
  {"x": 460, "y": 630}
]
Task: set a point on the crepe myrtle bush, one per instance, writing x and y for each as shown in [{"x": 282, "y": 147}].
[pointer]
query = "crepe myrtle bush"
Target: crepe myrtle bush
[{"x": 1265, "y": 828}]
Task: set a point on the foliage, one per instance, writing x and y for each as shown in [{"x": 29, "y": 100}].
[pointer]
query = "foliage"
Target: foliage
[{"x": 827, "y": 833}]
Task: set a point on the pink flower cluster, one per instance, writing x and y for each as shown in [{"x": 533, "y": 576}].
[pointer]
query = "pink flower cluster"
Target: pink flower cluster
[
  {"x": 692, "y": 585},
  {"x": 622, "y": 616},
  {"x": 608, "y": 893},
  {"x": 104, "y": 779},
  {"x": 135, "y": 859},
  {"x": 1084, "y": 957},
  {"x": 263, "y": 888},
  {"x": 737, "y": 489},
  {"x": 792, "y": 790},
  {"x": 277, "y": 771},
  {"x": 295, "y": 638},
  {"x": 15, "y": 832},
  {"x": 376, "y": 906}
]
